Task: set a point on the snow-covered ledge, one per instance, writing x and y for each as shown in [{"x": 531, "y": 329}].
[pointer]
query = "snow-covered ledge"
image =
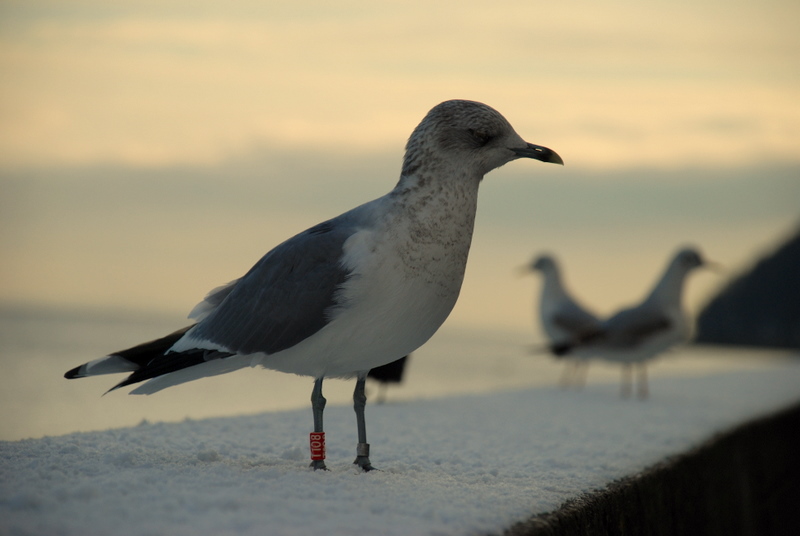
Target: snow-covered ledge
[
  {"x": 744, "y": 482},
  {"x": 458, "y": 465}
]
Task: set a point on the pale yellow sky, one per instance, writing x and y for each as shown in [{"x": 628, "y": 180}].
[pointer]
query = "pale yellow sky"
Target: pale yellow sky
[
  {"x": 188, "y": 97},
  {"x": 614, "y": 84}
]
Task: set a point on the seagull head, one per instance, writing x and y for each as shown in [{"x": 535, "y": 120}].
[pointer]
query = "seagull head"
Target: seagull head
[
  {"x": 543, "y": 263},
  {"x": 470, "y": 135},
  {"x": 690, "y": 258}
]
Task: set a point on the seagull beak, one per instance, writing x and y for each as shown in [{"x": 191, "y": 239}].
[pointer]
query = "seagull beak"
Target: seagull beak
[
  {"x": 523, "y": 270},
  {"x": 715, "y": 267},
  {"x": 539, "y": 153}
]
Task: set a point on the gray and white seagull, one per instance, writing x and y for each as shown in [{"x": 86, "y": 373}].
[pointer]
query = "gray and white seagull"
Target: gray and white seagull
[
  {"x": 565, "y": 321},
  {"x": 354, "y": 292},
  {"x": 638, "y": 334}
]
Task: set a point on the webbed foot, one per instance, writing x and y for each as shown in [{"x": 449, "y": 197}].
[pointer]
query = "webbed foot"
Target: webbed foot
[
  {"x": 318, "y": 465},
  {"x": 362, "y": 457},
  {"x": 363, "y": 463}
]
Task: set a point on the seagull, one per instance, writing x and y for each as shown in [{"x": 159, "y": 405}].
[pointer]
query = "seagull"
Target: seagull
[
  {"x": 352, "y": 293},
  {"x": 564, "y": 320},
  {"x": 635, "y": 335},
  {"x": 386, "y": 374}
]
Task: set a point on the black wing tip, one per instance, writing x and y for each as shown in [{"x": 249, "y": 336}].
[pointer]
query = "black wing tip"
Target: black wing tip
[
  {"x": 391, "y": 372},
  {"x": 127, "y": 381},
  {"x": 74, "y": 373},
  {"x": 561, "y": 349}
]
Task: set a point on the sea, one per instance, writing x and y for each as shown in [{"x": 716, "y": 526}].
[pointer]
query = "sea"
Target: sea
[{"x": 39, "y": 344}]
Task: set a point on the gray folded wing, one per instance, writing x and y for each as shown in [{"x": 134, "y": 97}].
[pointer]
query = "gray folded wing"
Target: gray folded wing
[
  {"x": 285, "y": 298},
  {"x": 629, "y": 328},
  {"x": 579, "y": 323}
]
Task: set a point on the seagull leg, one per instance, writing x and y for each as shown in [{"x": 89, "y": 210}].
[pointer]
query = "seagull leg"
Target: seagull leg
[
  {"x": 644, "y": 390},
  {"x": 382, "y": 389},
  {"x": 359, "y": 402},
  {"x": 627, "y": 380},
  {"x": 317, "y": 407},
  {"x": 581, "y": 373},
  {"x": 565, "y": 380}
]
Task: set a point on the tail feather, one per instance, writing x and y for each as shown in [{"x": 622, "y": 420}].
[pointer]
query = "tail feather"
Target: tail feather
[{"x": 147, "y": 360}]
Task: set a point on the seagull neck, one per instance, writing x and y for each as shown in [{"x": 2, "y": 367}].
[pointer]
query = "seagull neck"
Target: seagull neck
[
  {"x": 668, "y": 289},
  {"x": 449, "y": 194},
  {"x": 437, "y": 209},
  {"x": 437, "y": 176},
  {"x": 553, "y": 285}
]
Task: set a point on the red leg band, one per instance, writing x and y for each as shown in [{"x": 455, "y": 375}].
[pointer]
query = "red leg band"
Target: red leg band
[{"x": 317, "y": 442}]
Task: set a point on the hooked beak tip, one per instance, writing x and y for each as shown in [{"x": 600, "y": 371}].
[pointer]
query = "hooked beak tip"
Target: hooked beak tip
[{"x": 538, "y": 152}]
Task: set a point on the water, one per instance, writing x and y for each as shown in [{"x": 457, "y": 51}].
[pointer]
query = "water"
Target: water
[{"x": 39, "y": 345}]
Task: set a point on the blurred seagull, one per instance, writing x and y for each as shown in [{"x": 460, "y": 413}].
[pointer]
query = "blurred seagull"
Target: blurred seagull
[
  {"x": 352, "y": 293},
  {"x": 565, "y": 322},
  {"x": 386, "y": 374},
  {"x": 636, "y": 335}
]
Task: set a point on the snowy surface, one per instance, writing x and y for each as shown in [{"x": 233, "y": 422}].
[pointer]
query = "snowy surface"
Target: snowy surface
[{"x": 458, "y": 465}]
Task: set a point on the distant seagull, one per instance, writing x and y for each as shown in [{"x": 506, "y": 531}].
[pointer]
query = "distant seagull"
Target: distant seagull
[
  {"x": 564, "y": 320},
  {"x": 636, "y": 335},
  {"x": 386, "y": 374},
  {"x": 352, "y": 293}
]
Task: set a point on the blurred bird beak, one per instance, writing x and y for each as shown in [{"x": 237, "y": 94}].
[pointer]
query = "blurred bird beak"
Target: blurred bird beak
[
  {"x": 716, "y": 267},
  {"x": 537, "y": 152},
  {"x": 522, "y": 270}
]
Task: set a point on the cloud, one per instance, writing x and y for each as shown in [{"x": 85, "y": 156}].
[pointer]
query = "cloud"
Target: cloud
[{"x": 164, "y": 83}]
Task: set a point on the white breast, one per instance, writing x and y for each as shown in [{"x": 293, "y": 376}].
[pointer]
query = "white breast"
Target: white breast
[{"x": 407, "y": 272}]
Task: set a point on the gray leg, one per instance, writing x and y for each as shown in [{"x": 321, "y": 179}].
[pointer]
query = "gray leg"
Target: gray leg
[
  {"x": 359, "y": 402},
  {"x": 317, "y": 407},
  {"x": 565, "y": 380},
  {"x": 627, "y": 380},
  {"x": 644, "y": 389},
  {"x": 382, "y": 390},
  {"x": 581, "y": 373}
]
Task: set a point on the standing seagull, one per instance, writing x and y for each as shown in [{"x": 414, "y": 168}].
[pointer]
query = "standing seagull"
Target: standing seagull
[
  {"x": 352, "y": 293},
  {"x": 636, "y": 335},
  {"x": 564, "y": 320}
]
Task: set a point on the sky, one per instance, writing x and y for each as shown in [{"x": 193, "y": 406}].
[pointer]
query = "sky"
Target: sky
[
  {"x": 618, "y": 84},
  {"x": 151, "y": 151}
]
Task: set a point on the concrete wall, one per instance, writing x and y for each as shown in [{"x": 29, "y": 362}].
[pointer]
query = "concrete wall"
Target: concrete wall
[{"x": 745, "y": 482}]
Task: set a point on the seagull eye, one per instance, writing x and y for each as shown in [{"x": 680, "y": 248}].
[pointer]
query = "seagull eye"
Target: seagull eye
[{"x": 480, "y": 136}]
